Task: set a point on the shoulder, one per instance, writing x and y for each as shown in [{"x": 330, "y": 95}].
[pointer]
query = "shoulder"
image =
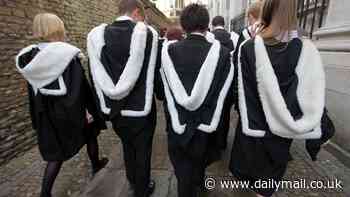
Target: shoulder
[
  {"x": 220, "y": 32},
  {"x": 247, "y": 47},
  {"x": 176, "y": 45},
  {"x": 305, "y": 47},
  {"x": 298, "y": 43},
  {"x": 119, "y": 26},
  {"x": 225, "y": 33},
  {"x": 151, "y": 31},
  {"x": 66, "y": 49}
]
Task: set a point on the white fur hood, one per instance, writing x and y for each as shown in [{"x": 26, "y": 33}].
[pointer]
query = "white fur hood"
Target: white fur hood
[
  {"x": 176, "y": 94},
  {"x": 48, "y": 65},
  {"x": 310, "y": 94},
  {"x": 104, "y": 85}
]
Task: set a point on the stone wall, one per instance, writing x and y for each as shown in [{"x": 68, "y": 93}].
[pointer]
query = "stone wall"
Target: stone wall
[
  {"x": 333, "y": 40},
  {"x": 16, "y": 134}
]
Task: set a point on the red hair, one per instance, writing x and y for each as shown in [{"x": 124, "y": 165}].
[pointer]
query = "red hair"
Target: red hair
[{"x": 174, "y": 33}]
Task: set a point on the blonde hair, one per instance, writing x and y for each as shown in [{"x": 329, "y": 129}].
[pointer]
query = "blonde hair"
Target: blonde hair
[
  {"x": 280, "y": 16},
  {"x": 48, "y": 27},
  {"x": 255, "y": 9}
]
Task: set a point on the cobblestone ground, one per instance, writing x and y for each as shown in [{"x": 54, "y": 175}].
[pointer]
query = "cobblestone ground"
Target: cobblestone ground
[{"x": 22, "y": 176}]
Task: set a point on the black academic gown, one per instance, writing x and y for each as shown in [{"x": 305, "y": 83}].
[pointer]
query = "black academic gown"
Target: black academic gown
[
  {"x": 136, "y": 133},
  {"x": 225, "y": 40},
  {"x": 190, "y": 151},
  {"x": 114, "y": 57},
  {"x": 158, "y": 84},
  {"x": 255, "y": 158},
  {"x": 60, "y": 121},
  {"x": 242, "y": 37}
]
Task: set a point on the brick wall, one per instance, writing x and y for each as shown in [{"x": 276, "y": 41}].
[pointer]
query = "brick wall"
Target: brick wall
[{"x": 16, "y": 134}]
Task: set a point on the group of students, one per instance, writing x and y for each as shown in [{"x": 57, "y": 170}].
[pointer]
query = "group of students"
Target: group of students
[{"x": 274, "y": 79}]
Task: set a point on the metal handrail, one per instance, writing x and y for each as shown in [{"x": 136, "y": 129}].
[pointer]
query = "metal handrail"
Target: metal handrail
[{"x": 308, "y": 12}]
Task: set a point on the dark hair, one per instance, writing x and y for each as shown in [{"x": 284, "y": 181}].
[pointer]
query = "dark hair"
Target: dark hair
[
  {"x": 162, "y": 32},
  {"x": 127, "y": 6},
  {"x": 218, "y": 21},
  {"x": 194, "y": 17}
]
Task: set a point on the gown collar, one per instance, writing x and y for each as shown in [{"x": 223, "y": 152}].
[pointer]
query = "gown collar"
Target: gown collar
[{"x": 124, "y": 18}]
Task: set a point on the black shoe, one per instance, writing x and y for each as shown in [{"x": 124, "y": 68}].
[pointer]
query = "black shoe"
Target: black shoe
[
  {"x": 102, "y": 163},
  {"x": 151, "y": 187},
  {"x": 45, "y": 194}
]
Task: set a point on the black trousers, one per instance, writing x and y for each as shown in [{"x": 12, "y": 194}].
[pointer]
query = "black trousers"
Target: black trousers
[
  {"x": 223, "y": 130},
  {"x": 137, "y": 137},
  {"x": 189, "y": 163}
]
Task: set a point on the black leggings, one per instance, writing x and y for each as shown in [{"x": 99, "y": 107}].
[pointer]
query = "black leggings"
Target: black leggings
[{"x": 54, "y": 167}]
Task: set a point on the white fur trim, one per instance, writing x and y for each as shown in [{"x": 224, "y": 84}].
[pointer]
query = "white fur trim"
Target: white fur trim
[
  {"x": 59, "y": 92},
  {"x": 219, "y": 27},
  {"x": 133, "y": 66},
  {"x": 167, "y": 81},
  {"x": 242, "y": 102},
  {"x": 246, "y": 34},
  {"x": 210, "y": 37},
  {"x": 203, "y": 81},
  {"x": 234, "y": 38},
  {"x": 149, "y": 80},
  {"x": 124, "y": 18},
  {"x": 47, "y": 66},
  {"x": 174, "y": 114},
  {"x": 104, "y": 84},
  {"x": 94, "y": 48},
  {"x": 310, "y": 94},
  {"x": 219, "y": 105}
]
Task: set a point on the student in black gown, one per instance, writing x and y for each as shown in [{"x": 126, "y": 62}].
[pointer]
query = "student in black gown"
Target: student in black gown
[
  {"x": 196, "y": 76},
  {"x": 60, "y": 99},
  {"x": 247, "y": 33},
  {"x": 224, "y": 38},
  {"x": 122, "y": 65},
  {"x": 221, "y": 34},
  {"x": 253, "y": 13},
  {"x": 281, "y": 97}
]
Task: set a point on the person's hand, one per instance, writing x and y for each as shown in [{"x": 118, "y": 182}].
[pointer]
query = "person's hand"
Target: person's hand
[{"x": 89, "y": 117}]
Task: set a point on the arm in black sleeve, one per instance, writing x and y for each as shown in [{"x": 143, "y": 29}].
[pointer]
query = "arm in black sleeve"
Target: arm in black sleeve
[
  {"x": 32, "y": 106},
  {"x": 313, "y": 146},
  {"x": 230, "y": 95},
  {"x": 235, "y": 77},
  {"x": 235, "y": 64},
  {"x": 231, "y": 46},
  {"x": 91, "y": 106},
  {"x": 94, "y": 97},
  {"x": 158, "y": 85},
  {"x": 91, "y": 103}
]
